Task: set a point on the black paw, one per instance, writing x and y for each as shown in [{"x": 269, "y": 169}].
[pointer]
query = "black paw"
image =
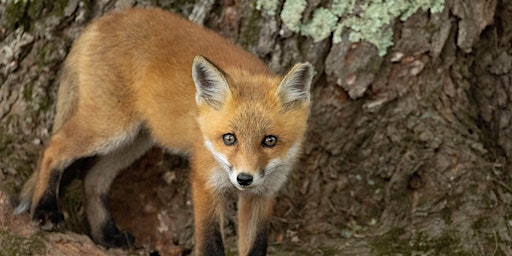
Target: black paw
[
  {"x": 120, "y": 240},
  {"x": 47, "y": 215},
  {"x": 113, "y": 238}
]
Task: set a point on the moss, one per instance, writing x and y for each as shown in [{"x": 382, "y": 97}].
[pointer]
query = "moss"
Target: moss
[
  {"x": 285, "y": 248},
  {"x": 15, "y": 14},
  {"x": 302, "y": 250},
  {"x": 12, "y": 244},
  {"x": 45, "y": 54},
  {"x": 393, "y": 243},
  {"x": 481, "y": 223},
  {"x": 446, "y": 215},
  {"x": 35, "y": 9},
  {"x": 179, "y": 6},
  {"x": 5, "y": 139},
  {"x": 22, "y": 13},
  {"x": 251, "y": 30},
  {"x": 24, "y": 168},
  {"x": 509, "y": 181},
  {"x": 387, "y": 243},
  {"x": 40, "y": 8},
  {"x": 27, "y": 94}
]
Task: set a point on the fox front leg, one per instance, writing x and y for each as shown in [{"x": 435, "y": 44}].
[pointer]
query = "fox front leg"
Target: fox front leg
[
  {"x": 254, "y": 212},
  {"x": 208, "y": 214}
]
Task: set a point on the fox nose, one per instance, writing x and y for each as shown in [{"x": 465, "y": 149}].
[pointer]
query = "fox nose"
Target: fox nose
[{"x": 244, "y": 179}]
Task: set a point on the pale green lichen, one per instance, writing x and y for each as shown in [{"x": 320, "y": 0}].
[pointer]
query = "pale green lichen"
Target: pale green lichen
[
  {"x": 370, "y": 24},
  {"x": 320, "y": 27},
  {"x": 434, "y": 6},
  {"x": 370, "y": 21},
  {"x": 341, "y": 7},
  {"x": 267, "y": 6},
  {"x": 292, "y": 14}
]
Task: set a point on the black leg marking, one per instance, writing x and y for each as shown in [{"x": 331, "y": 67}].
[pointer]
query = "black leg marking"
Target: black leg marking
[
  {"x": 112, "y": 237},
  {"x": 213, "y": 245},
  {"x": 259, "y": 247},
  {"x": 76, "y": 170},
  {"x": 46, "y": 213}
]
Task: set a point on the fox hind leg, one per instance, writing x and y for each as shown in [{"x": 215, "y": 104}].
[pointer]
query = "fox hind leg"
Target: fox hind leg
[
  {"x": 68, "y": 144},
  {"x": 45, "y": 182},
  {"x": 97, "y": 184}
]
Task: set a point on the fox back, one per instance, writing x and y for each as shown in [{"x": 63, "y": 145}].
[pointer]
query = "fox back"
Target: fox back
[{"x": 144, "y": 77}]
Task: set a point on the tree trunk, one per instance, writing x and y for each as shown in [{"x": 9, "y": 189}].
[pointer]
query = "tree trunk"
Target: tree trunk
[{"x": 408, "y": 151}]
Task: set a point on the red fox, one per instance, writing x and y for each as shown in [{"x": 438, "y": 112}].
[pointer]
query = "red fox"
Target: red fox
[{"x": 144, "y": 77}]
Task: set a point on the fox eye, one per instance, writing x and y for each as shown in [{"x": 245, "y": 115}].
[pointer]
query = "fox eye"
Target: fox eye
[
  {"x": 229, "y": 139},
  {"x": 269, "y": 141}
]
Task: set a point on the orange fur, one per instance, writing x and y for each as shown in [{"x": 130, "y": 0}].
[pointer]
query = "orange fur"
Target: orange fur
[{"x": 136, "y": 73}]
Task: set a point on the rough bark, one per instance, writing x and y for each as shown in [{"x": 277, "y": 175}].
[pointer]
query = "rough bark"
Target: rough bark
[{"x": 406, "y": 153}]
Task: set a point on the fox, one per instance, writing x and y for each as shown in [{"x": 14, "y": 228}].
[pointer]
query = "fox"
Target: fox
[{"x": 145, "y": 77}]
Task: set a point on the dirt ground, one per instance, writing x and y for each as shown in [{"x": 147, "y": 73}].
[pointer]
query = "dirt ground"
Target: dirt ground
[{"x": 152, "y": 201}]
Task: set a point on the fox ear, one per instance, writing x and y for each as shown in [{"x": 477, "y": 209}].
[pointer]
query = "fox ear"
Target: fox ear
[
  {"x": 295, "y": 86},
  {"x": 211, "y": 84}
]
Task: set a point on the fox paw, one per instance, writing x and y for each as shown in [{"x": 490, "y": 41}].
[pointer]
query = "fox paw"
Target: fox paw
[
  {"x": 46, "y": 214},
  {"x": 120, "y": 240},
  {"x": 47, "y": 219},
  {"x": 113, "y": 238}
]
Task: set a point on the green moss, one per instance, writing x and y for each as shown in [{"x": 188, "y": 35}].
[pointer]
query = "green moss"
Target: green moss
[
  {"x": 184, "y": 7},
  {"x": 15, "y": 14},
  {"x": 13, "y": 245},
  {"x": 27, "y": 94},
  {"x": 45, "y": 53},
  {"x": 446, "y": 215},
  {"x": 21, "y": 163},
  {"x": 387, "y": 243},
  {"x": 22, "y": 13},
  {"x": 5, "y": 139},
  {"x": 394, "y": 243},
  {"x": 35, "y": 8},
  {"x": 302, "y": 250},
  {"x": 481, "y": 223},
  {"x": 329, "y": 251},
  {"x": 251, "y": 30},
  {"x": 40, "y": 8}
]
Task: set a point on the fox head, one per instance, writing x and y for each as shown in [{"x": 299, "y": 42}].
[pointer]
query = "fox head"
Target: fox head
[{"x": 253, "y": 125}]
